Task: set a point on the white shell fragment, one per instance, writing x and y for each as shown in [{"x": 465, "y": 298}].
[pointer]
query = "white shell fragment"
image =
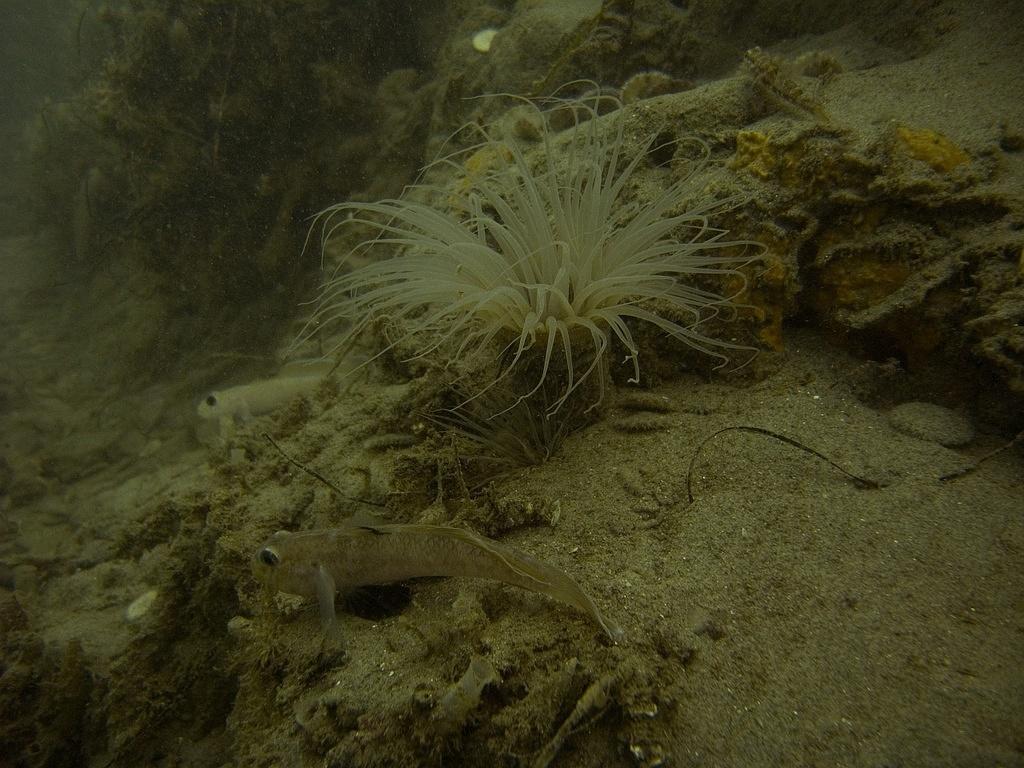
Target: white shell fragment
[
  {"x": 482, "y": 40},
  {"x": 140, "y": 606}
]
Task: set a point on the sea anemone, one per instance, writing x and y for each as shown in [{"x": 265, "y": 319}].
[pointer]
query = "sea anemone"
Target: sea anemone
[
  {"x": 497, "y": 438},
  {"x": 541, "y": 258}
]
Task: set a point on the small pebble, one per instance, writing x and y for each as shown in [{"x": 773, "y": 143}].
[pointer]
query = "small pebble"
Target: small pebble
[
  {"x": 482, "y": 40},
  {"x": 927, "y": 421},
  {"x": 140, "y": 606}
]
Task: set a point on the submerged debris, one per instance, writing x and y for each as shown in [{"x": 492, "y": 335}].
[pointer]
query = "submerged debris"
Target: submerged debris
[
  {"x": 591, "y": 705},
  {"x": 774, "y": 82},
  {"x": 463, "y": 696}
]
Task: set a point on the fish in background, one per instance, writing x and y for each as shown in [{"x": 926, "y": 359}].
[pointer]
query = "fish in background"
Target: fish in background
[{"x": 221, "y": 410}]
